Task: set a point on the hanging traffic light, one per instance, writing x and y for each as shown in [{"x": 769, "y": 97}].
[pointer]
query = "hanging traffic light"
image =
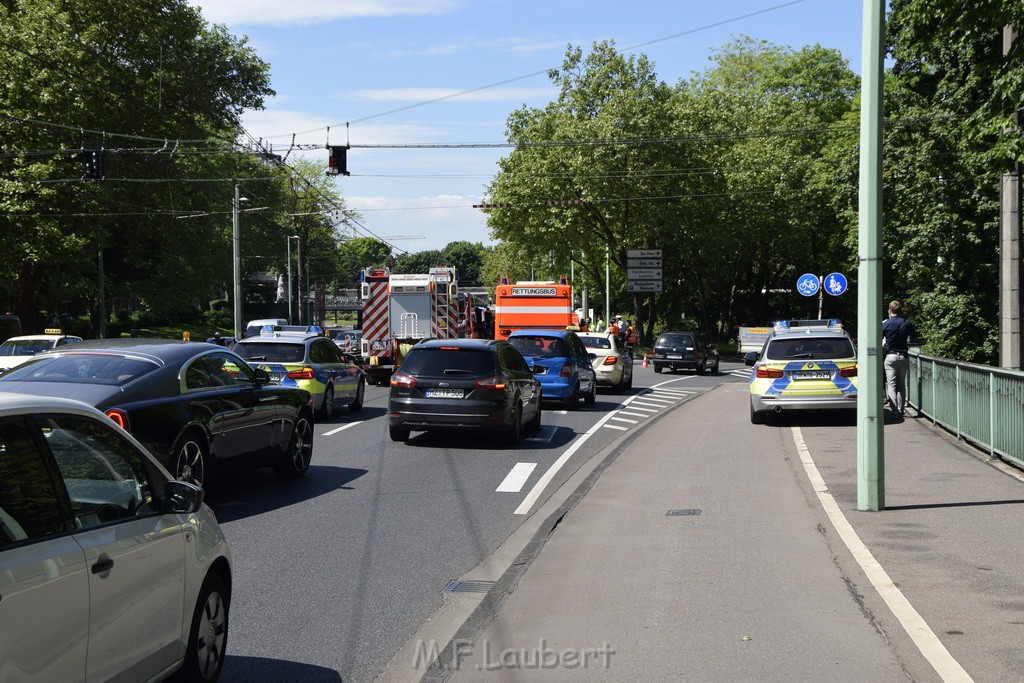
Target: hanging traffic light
[
  {"x": 337, "y": 161},
  {"x": 93, "y": 159}
]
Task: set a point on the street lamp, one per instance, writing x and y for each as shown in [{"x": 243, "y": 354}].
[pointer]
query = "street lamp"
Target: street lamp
[
  {"x": 236, "y": 243},
  {"x": 290, "y": 238}
]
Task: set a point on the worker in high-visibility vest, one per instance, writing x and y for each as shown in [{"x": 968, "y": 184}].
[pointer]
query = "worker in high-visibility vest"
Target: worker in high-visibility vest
[{"x": 631, "y": 338}]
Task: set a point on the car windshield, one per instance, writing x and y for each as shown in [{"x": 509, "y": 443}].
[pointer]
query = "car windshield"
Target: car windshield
[
  {"x": 596, "y": 342},
  {"x": 272, "y": 352},
  {"x": 25, "y": 347},
  {"x": 81, "y": 368},
  {"x": 439, "y": 362},
  {"x": 675, "y": 340},
  {"x": 540, "y": 347},
  {"x": 809, "y": 347}
]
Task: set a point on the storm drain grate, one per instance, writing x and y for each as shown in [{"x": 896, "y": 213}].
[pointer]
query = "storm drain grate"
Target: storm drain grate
[
  {"x": 469, "y": 586},
  {"x": 685, "y": 512}
]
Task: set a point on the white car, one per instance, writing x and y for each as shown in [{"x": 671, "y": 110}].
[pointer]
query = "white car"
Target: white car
[
  {"x": 109, "y": 568},
  {"x": 614, "y": 367},
  {"x": 17, "y": 350}
]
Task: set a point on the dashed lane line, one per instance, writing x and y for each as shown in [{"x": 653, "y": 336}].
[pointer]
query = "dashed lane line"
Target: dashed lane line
[
  {"x": 516, "y": 478},
  {"x": 341, "y": 428}
]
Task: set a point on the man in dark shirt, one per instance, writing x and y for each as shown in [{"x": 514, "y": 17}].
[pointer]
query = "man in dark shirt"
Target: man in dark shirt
[{"x": 895, "y": 340}]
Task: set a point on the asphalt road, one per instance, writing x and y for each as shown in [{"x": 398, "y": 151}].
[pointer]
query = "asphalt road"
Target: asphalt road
[{"x": 333, "y": 573}]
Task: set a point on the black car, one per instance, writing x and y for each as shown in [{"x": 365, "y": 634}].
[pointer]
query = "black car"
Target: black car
[
  {"x": 197, "y": 407},
  {"x": 464, "y": 384},
  {"x": 684, "y": 351}
]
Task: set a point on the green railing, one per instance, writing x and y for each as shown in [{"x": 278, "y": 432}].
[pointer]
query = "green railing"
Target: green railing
[{"x": 981, "y": 404}]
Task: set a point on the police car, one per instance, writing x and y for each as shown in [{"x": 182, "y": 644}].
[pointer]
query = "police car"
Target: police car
[
  {"x": 803, "y": 367},
  {"x": 307, "y": 359},
  {"x": 17, "y": 350}
]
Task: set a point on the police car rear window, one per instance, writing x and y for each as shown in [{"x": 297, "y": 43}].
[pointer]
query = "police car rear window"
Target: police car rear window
[
  {"x": 271, "y": 352},
  {"x": 809, "y": 348}
]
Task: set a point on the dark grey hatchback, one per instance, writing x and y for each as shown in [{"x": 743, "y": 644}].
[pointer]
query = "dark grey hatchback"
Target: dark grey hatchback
[{"x": 464, "y": 384}]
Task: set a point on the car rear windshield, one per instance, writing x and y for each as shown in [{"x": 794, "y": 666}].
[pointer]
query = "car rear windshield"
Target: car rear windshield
[
  {"x": 272, "y": 352},
  {"x": 596, "y": 342},
  {"x": 812, "y": 348},
  {"x": 675, "y": 340},
  {"x": 26, "y": 347},
  {"x": 440, "y": 362},
  {"x": 541, "y": 347},
  {"x": 81, "y": 368}
]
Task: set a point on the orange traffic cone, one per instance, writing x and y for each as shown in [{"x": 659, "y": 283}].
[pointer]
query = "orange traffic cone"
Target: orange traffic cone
[{"x": 645, "y": 365}]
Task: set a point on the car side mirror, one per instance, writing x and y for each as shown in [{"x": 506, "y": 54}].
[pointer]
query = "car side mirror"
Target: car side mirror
[
  {"x": 592, "y": 356},
  {"x": 537, "y": 369},
  {"x": 750, "y": 358},
  {"x": 262, "y": 376},
  {"x": 181, "y": 498}
]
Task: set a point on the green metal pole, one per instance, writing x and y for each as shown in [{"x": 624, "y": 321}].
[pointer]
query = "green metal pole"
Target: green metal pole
[{"x": 870, "y": 418}]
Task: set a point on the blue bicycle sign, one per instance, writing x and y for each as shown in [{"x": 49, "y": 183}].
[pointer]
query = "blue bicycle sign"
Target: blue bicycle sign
[{"x": 808, "y": 284}]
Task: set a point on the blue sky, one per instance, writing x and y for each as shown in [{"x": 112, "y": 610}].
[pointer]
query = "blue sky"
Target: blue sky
[{"x": 370, "y": 70}]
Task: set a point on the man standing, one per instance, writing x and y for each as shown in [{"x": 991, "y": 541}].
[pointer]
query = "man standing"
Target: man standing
[{"x": 895, "y": 340}]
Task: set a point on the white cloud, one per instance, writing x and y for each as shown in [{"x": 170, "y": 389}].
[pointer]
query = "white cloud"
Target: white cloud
[{"x": 275, "y": 12}]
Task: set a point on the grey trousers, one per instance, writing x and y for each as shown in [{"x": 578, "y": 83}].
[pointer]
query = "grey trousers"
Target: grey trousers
[{"x": 896, "y": 368}]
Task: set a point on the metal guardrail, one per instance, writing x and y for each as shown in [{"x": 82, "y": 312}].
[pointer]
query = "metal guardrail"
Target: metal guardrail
[{"x": 979, "y": 403}]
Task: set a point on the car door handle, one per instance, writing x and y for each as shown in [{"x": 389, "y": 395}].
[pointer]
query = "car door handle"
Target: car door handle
[
  {"x": 264, "y": 399},
  {"x": 103, "y": 564}
]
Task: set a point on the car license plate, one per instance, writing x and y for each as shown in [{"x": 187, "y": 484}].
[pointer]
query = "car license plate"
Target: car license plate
[
  {"x": 674, "y": 356},
  {"x": 812, "y": 374},
  {"x": 275, "y": 376},
  {"x": 444, "y": 393}
]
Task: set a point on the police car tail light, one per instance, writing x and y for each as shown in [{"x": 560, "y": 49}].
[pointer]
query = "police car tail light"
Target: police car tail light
[
  {"x": 305, "y": 373},
  {"x": 848, "y": 372},
  {"x": 400, "y": 379},
  {"x": 566, "y": 371},
  {"x": 765, "y": 372},
  {"x": 497, "y": 383},
  {"x": 119, "y": 417},
  {"x": 611, "y": 360}
]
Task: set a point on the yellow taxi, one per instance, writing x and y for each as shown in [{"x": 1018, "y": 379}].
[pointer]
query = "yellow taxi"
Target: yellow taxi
[{"x": 803, "y": 368}]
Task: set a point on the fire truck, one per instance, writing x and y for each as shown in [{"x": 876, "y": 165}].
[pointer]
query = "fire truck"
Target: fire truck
[
  {"x": 400, "y": 310},
  {"x": 533, "y": 305}
]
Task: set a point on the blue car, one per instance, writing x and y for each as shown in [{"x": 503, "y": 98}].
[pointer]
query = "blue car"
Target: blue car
[{"x": 561, "y": 362}]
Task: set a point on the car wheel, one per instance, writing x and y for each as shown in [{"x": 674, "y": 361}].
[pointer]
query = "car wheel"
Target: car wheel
[
  {"x": 534, "y": 424},
  {"x": 327, "y": 407},
  {"x": 208, "y": 637},
  {"x": 592, "y": 396},
  {"x": 357, "y": 403},
  {"x": 190, "y": 461},
  {"x": 398, "y": 434},
  {"x": 702, "y": 368},
  {"x": 757, "y": 417},
  {"x": 573, "y": 402},
  {"x": 657, "y": 369},
  {"x": 515, "y": 433},
  {"x": 300, "y": 450},
  {"x": 621, "y": 386},
  {"x": 629, "y": 382}
]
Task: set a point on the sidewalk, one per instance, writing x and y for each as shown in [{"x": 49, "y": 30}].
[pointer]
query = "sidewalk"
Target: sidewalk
[{"x": 703, "y": 552}]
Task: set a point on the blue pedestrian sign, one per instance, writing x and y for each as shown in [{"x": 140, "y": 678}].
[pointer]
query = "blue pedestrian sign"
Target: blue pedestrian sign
[
  {"x": 807, "y": 284},
  {"x": 835, "y": 284}
]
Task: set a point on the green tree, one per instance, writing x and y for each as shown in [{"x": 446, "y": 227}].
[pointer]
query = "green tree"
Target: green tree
[
  {"x": 468, "y": 260},
  {"x": 363, "y": 252}
]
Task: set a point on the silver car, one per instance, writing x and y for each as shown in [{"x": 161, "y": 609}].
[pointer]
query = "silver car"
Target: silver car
[
  {"x": 109, "y": 568},
  {"x": 614, "y": 367}
]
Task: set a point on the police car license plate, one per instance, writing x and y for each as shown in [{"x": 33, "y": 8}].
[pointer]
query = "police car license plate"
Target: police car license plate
[
  {"x": 812, "y": 374},
  {"x": 444, "y": 393},
  {"x": 275, "y": 376}
]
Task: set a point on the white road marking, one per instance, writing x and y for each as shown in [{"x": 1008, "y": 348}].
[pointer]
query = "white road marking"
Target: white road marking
[
  {"x": 646, "y": 410},
  {"x": 914, "y": 624},
  {"x": 340, "y": 429},
  {"x": 619, "y": 427},
  {"x": 660, "y": 403},
  {"x": 626, "y": 412},
  {"x": 670, "y": 392},
  {"x": 622, "y": 419},
  {"x": 516, "y": 479}
]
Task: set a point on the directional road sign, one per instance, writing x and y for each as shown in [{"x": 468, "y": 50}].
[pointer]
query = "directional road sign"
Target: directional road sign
[
  {"x": 807, "y": 284},
  {"x": 643, "y": 273},
  {"x": 643, "y": 263},
  {"x": 835, "y": 284},
  {"x": 643, "y": 286},
  {"x": 643, "y": 253}
]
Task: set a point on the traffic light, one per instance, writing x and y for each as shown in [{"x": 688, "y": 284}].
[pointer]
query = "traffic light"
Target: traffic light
[
  {"x": 93, "y": 159},
  {"x": 337, "y": 161}
]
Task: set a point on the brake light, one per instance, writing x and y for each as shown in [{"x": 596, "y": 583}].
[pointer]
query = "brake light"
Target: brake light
[
  {"x": 305, "y": 373},
  {"x": 400, "y": 379},
  {"x": 765, "y": 372},
  {"x": 611, "y": 360},
  {"x": 497, "y": 382},
  {"x": 566, "y": 371},
  {"x": 119, "y": 417},
  {"x": 848, "y": 372}
]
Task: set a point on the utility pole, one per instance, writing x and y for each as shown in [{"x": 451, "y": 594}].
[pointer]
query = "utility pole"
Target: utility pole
[
  {"x": 1010, "y": 354},
  {"x": 236, "y": 259},
  {"x": 103, "y": 297}
]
